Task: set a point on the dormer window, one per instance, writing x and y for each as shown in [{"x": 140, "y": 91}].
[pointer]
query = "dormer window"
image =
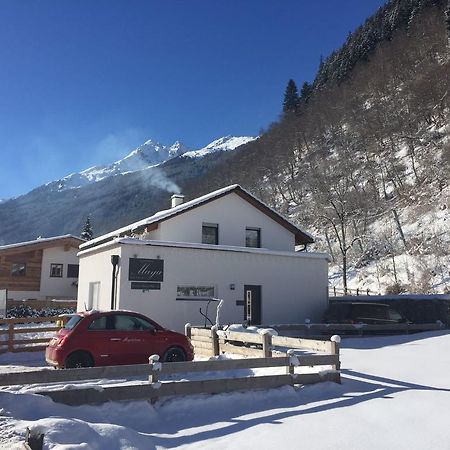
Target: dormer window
[
  {"x": 210, "y": 233},
  {"x": 253, "y": 237}
]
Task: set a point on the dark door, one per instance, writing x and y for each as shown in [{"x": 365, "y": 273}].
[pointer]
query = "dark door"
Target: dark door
[{"x": 252, "y": 304}]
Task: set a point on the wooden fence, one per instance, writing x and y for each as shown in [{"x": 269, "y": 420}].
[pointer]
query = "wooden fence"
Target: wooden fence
[
  {"x": 41, "y": 304},
  {"x": 358, "y": 291},
  {"x": 13, "y": 327},
  {"x": 209, "y": 342},
  {"x": 321, "y": 330},
  {"x": 154, "y": 388}
]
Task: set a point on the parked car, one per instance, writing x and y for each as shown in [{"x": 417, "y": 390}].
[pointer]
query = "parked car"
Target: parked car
[
  {"x": 95, "y": 338},
  {"x": 360, "y": 312}
]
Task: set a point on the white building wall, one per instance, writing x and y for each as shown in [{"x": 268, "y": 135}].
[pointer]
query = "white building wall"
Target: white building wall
[
  {"x": 293, "y": 287},
  {"x": 56, "y": 287},
  {"x": 96, "y": 267},
  {"x": 233, "y": 215}
]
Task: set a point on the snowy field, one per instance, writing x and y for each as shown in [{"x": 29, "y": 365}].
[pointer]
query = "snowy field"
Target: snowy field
[{"x": 395, "y": 394}]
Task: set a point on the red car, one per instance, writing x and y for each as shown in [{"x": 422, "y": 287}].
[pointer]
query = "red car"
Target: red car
[{"x": 110, "y": 338}]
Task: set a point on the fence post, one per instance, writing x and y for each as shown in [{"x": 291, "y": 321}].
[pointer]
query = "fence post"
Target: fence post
[
  {"x": 153, "y": 377},
  {"x": 11, "y": 337},
  {"x": 335, "y": 350},
  {"x": 267, "y": 344},
  {"x": 215, "y": 341},
  {"x": 307, "y": 326},
  {"x": 187, "y": 330},
  {"x": 293, "y": 361}
]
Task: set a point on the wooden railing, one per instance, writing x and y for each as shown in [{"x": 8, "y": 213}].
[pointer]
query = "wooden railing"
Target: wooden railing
[
  {"x": 13, "y": 327},
  {"x": 335, "y": 291},
  {"x": 154, "y": 388},
  {"x": 209, "y": 342}
]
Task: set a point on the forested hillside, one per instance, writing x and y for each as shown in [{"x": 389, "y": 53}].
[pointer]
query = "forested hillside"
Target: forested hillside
[{"x": 362, "y": 156}]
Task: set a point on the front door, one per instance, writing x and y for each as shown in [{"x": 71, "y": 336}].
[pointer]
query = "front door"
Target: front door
[{"x": 252, "y": 304}]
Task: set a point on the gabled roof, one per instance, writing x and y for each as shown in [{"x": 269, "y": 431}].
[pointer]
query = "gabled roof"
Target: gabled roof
[
  {"x": 66, "y": 239},
  {"x": 301, "y": 237}
]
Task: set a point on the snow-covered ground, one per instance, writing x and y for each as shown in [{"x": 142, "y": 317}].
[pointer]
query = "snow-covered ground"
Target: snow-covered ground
[
  {"x": 422, "y": 267},
  {"x": 395, "y": 394}
]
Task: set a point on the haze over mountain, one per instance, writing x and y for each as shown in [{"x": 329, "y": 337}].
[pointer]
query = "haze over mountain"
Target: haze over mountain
[
  {"x": 128, "y": 189},
  {"x": 149, "y": 154}
]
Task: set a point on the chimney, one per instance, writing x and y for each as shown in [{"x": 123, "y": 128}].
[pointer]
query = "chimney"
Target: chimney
[{"x": 177, "y": 199}]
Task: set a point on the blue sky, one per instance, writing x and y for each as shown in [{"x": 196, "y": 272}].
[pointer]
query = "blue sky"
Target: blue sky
[{"x": 82, "y": 82}]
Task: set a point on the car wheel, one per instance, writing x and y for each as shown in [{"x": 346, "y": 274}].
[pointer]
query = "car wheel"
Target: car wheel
[
  {"x": 174, "y": 354},
  {"x": 79, "y": 359}
]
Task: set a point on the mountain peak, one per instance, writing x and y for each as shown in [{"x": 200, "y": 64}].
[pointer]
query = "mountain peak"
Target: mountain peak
[
  {"x": 150, "y": 153},
  {"x": 223, "y": 144}
]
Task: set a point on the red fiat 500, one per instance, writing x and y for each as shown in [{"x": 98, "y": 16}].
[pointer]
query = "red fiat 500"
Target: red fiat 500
[{"x": 96, "y": 338}]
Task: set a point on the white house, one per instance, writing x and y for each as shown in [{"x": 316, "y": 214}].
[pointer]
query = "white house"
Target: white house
[
  {"x": 226, "y": 244},
  {"x": 45, "y": 268}
]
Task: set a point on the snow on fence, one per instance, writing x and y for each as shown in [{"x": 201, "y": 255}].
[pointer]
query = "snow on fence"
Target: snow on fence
[
  {"x": 154, "y": 389},
  {"x": 209, "y": 342},
  {"x": 32, "y": 330}
]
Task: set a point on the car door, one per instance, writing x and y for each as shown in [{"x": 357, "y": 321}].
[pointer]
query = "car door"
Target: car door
[
  {"x": 98, "y": 340},
  {"x": 134, "y": 339}
]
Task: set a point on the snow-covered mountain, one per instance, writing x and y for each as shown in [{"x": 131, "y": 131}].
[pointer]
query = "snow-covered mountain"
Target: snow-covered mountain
[
  {"x": 226, "y": 143},
  {"x": 149, "y": 154}
]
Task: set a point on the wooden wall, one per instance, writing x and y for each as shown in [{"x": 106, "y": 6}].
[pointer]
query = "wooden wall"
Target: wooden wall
[{"x": 31, "y": 281}]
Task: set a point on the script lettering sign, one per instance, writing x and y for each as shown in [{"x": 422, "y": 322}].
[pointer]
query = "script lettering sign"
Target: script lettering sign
[{"x": 141, "y": 269}]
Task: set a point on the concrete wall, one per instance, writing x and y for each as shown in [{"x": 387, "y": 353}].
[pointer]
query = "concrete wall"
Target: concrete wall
[
  {"x": 96, "y": 267},
  {"x": 294, "y": 287},
  {"x": 233, "y": 215}
]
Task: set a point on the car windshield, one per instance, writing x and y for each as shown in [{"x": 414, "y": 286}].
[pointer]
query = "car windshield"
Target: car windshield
[{"x": 72, "y": 322}]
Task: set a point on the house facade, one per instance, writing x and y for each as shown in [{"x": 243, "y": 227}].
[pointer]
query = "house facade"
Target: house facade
[
  {"x": 225, "y": 245},
  {"x": 42, "y": 269}
]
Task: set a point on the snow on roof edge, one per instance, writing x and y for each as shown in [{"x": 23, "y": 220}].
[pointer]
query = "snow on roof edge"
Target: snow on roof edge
[
  {"x": 39, "y": 240},
  {"x": 197, "y": 246}
]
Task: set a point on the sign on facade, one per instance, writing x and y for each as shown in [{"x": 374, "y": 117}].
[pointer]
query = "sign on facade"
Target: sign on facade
[{"x": 141, "y": 269}]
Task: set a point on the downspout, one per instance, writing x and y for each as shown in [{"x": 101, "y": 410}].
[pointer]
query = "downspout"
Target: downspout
[{"x": 115, "y": 263}]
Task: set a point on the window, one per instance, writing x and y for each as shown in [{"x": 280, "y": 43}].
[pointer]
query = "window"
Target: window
[
  {"x": 72, "y": 270},
  {"x": 395, "y": 315},
  {"x": 72, "y": 322},
  {"x": 18, "y": 269},
  {"x": 101, "y": 323},
  {"x": 195, "y": 292},
  {"x": 56, "y": 270},
  {"x": 210, "y": 233},
  {"x": 253, "y": 237},
  {"x": 131, "y": 323},
  {"x": 94, "y": 295}
]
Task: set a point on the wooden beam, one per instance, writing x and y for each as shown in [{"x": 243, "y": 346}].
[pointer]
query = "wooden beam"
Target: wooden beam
[{"x": 142, "y": 391}]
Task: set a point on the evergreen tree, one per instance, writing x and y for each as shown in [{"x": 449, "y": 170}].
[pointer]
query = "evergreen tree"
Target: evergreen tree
[
  {"x": 87, "y": 232},
  {"x": 306, "y": 92},
  {"x": 290, "y": 102},
  {"x": 447, "y": 21}
]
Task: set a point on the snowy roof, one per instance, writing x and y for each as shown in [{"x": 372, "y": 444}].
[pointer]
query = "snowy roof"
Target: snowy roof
[
  {"x": 301, "y": 236},
  {"x": 213, "y": 247},
  {"x": 41, "y": 241}
]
